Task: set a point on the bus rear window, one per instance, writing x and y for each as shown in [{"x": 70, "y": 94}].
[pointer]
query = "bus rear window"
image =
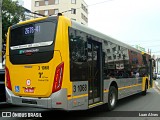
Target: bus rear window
[{"x": 32, "y": 35}]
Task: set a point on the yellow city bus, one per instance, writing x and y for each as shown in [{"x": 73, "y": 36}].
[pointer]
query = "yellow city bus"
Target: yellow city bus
[{"x": 54, "y": 62}]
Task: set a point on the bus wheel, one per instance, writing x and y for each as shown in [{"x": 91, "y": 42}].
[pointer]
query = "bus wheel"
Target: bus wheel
[
  {"x": 145, "y": 91},
  {"x": 112, "y": 98}
]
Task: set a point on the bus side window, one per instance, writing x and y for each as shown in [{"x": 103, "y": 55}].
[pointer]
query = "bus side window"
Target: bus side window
[{"x": 78, "y": 55}]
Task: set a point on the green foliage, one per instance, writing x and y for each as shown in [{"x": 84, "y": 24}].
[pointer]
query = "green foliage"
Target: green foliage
[{"x": 12, "y": 13}]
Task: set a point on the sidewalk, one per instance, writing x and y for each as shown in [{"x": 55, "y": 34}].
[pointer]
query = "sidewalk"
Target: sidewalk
[{"x": 156, "y": 85}]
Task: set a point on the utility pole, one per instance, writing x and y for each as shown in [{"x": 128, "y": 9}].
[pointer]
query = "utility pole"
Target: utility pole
[
  {"x": 1, "y": 34},
  {"x": 157, "y": 64}
]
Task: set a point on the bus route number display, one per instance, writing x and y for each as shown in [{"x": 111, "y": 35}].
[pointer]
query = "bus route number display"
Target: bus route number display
[{"x": 32, "y": 29}]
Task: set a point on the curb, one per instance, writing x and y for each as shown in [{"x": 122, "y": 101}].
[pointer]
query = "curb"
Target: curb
[{"x": 5, "y": 105}]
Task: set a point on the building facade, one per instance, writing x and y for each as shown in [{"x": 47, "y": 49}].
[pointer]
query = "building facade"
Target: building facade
[
  {"x": 73, "y": 9},
  {"x": 28, "y": 16}
]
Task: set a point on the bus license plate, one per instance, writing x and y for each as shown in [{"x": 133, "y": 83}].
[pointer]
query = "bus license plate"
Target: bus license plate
[{"x": 29, "y": 90}]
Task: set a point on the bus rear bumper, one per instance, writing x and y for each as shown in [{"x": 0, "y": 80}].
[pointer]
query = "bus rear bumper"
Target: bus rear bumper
[{"x": 49, "y": 102}]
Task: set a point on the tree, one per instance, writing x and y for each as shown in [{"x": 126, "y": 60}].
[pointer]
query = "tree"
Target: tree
[{"x": 12, "y": 13}]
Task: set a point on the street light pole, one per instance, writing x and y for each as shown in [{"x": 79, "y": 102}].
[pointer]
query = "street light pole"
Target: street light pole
[{"x": 1, "y": 33}]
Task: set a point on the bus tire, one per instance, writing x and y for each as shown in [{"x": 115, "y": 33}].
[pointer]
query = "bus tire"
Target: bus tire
[
  {"x": 112, "y": 98},
  {"x": 145, "y": 90}
]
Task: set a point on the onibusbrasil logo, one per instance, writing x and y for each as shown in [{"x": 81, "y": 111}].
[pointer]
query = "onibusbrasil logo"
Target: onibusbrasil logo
[{"x": 21, "y": 114}]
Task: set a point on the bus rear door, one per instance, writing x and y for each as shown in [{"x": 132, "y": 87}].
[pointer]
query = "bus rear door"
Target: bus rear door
[{"x": 95, "y": 72}]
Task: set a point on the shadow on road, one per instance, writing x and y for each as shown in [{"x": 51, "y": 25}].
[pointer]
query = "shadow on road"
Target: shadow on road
[{"x": 99, "y": 111}]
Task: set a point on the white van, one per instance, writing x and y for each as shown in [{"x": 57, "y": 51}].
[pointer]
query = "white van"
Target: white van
[{"x": 158, "y": 76}]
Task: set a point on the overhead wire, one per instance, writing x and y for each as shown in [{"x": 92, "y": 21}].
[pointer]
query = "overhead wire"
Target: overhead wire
[
  {"x": 142, "y": 42},
  {"x": 89, "y": 5}
]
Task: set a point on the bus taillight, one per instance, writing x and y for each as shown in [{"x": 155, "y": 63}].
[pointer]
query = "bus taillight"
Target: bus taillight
[
  {"x": 8, "y": 80},
  {"x": 58, "y": 77}
]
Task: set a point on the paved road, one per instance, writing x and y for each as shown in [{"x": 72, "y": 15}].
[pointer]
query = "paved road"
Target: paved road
[{"x": 126, "y": 106}]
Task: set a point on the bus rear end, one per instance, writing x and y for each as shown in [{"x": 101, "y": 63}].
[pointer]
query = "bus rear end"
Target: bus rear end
[{"x": 35, "y": 64}]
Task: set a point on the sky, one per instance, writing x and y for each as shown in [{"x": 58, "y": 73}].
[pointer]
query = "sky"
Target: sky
[{"x": 135, "y": 22}]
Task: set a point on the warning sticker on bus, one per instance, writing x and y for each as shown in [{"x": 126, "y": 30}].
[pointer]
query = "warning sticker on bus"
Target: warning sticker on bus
[{"x": 29, "y": 90}]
